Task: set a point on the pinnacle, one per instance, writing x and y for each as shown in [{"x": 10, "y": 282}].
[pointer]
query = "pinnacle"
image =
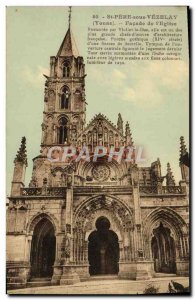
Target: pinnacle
[
  {"x": 128, "y": 133},
  {"x": 183, "y": 149},
  {"x": 169, "y": 176},
  {"x": 120, "y": 123},
  {"x": 184, "y": 155},
  {"x": 168, "y": 167},
  {"x": 119, "y": 116},
  {"x": 21, "y": 155}
]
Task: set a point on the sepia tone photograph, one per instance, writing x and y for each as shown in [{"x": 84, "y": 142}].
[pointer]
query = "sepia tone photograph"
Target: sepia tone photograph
[{"x": 97, "y": 141}]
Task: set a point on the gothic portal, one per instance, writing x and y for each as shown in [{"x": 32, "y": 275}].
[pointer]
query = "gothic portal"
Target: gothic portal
[
  {"x": 103, "y": 249},
  {"x": 78, "y": 219},
  {"x": 43, "y": 249},
  {"x": 163, "y": 248}
]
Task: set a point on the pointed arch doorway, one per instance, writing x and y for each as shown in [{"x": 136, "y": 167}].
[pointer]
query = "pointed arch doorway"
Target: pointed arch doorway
[
  {"x": 163, "y": 250},
  {"x": 103, "y": 249},
  {"x": 43, "y": 249}
]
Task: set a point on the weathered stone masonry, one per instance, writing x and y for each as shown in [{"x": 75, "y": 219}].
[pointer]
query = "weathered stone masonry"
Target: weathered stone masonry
[{"x": 77, "y": 220}]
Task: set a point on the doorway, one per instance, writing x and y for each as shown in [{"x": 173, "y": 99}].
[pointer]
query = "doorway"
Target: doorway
[
  {"x": 163, "y": 250},
  {"x": 103, "y": 249},
  {"x": 43, "y": 249}
]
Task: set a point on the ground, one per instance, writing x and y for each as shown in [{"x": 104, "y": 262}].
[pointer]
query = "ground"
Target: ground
[{"x": 105, "y": 287}]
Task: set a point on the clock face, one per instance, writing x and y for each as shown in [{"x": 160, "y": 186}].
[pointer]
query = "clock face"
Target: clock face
[{"x": 101, "y": 172}]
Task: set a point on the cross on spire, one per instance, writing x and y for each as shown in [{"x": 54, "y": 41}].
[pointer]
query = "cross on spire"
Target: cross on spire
[
  {"x": 68, "y": 46},
  {"x": 69, "y": 17}
]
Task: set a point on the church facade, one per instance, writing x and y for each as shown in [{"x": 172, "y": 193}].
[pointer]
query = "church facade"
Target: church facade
[{"x": 82, "y": 218}]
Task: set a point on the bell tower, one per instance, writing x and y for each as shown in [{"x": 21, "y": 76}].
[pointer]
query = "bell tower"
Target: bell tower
[{"x": 64, "y": 110}]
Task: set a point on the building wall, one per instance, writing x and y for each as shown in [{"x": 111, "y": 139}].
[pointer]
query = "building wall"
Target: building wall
[{"x": 87, "y": 206}]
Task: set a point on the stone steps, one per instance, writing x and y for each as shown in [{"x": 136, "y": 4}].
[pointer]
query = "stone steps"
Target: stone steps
[
  {"x": 36, "y": 282},
  {"x": 162, "y": 275},
  {"x": 104, "y": 287},
  {"x": 103, "y": 277}
]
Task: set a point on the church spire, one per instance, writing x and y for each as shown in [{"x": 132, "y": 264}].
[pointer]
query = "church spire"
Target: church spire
[
  {"x": 64, "y": 94},
  {"x": 68, "y": 46}
]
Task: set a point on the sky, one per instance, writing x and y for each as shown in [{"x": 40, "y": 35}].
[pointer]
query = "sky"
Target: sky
[{"x": 152, "y": 96}]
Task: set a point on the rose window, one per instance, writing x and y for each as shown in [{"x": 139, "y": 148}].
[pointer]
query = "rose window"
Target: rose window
[{"x": 101, "y": 172}]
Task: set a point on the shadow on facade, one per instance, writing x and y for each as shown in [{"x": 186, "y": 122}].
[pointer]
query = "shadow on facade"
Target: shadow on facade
[
  {"x": 103, "y": 249},
  {"x": 43, "y": 249},
  {"x": 163, "y": 250}
]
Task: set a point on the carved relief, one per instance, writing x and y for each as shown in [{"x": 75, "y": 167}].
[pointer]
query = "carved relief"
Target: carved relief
[
  {"x": 49, "y": 134},
  {"x": 67, "y": 246},
  {"x": 51, "y": 100},
  {"x": 103, "y": 202},
  {"x": 101, "y": 172}
]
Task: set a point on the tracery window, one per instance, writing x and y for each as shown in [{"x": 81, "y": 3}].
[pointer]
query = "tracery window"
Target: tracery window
[
  {"x": 66, "y": 69},
  {"x": 64, "y": 103},
  {"x": 62, "y": 130}
]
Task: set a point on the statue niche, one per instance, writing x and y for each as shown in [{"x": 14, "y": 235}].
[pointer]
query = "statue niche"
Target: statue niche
[
  {"x": 49, "y": 130},
  {"x": 51, "y": 100}
]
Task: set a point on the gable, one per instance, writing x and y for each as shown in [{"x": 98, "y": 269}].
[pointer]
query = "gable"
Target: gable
[
  {"x": 101, "y": 120},
  {"x": 101, "y": 131}
]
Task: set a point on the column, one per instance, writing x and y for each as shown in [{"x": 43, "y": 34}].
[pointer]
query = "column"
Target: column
[
  {"x": 57, "y": 268},
  {"x": 69, "y": 276},
  {"x": 142, "y": 266},
  {"x": 86, "y": 251},
  {"x": 121, "y": 249}
]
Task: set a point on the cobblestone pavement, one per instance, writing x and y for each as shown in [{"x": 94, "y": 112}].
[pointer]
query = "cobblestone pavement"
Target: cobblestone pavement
[{"x": 105, "y": 287}]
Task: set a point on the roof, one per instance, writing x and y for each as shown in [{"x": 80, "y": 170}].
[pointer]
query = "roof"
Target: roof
[
  {"x": 68, "y": 46},
  {"x": 103, "y": 117}
]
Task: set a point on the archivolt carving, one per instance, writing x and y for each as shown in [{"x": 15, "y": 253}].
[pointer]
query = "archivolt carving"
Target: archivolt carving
[
  {"x": 36, "y": 218},
  {"x": 85, "y": 167},
  {"x": 87, "y": 210},
  {"x": 121, "y": 220},
  {"x": 69, "y": 169},
  {"x": 169, "y": 219},
  {"x": 61, "y": 116},
  {"x": 48, "y": 116},
  {"x": 89, "y": 225}
]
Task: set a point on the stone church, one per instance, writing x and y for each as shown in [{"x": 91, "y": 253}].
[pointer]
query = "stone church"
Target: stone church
[{"x": 91, "y": 218}]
